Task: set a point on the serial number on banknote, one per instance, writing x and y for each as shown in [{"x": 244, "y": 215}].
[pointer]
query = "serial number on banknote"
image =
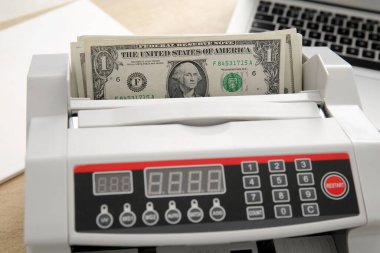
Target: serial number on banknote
[
  {"x": 135, "y": 97},
  {"x": 233, "y": 63}
]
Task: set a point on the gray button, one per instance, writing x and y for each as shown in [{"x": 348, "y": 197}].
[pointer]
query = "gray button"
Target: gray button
[
  {"x": 276, "y": 166},
  {"x": 308, "y": 194},
  {"x": 251, "y": 182},
  {"x": 255, "y": 213},
  {"x": 280, "y": 196},
  {"x": 195, "y": 213},
  {"x": 305, "y": 179},
  {"x": 127, "y": 218},
  {"x": 283, "y": 211},
  {"x": 104, "y": 219},
  {"x": 303, "y": 164},
  {"x": 217, "y": 213},
  {"x": 150, "y": 216},
  {"x": 278, "y": 180},
  {"x": 253, "y": 197},
  {"x": 173, "y": 215},
  {"x": 250, "y": 167},
  {"x": 310, "y": 209}
]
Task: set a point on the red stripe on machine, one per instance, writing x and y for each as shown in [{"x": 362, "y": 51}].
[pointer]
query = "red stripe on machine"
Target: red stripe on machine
[{"x": 225, "y": 161}]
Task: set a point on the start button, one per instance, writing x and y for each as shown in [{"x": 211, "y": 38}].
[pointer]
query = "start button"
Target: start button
[{"x": 335, "y": 186}]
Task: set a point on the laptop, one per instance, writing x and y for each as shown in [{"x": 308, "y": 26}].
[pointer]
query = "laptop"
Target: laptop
[{"x": 351, "y": 28}]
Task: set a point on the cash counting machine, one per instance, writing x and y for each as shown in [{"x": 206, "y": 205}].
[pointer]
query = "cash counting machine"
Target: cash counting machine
[{"x": 276, "y": 173}]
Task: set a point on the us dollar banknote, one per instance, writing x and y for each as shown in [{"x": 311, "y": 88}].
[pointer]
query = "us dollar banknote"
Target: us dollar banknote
[
  {"x": 186, "y": 66},
  {"x": 78, "y": 65},
  {"x": 293, "y": 55}
]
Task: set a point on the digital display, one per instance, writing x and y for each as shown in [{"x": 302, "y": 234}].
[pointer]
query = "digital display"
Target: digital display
[
  {"x": 184, "y": 181},
  {"x": 112, "y": 183}
]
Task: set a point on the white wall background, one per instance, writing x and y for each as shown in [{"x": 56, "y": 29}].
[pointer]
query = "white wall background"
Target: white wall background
[{"x": 11, "y": 9}]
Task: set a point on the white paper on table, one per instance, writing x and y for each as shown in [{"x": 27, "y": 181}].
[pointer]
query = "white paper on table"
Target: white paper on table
[{"x": 50, "y": 33}]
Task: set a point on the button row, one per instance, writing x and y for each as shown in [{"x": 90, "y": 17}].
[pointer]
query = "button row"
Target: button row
[
  {"x": 285, "y": 211},
  {"x": 276, "y": 180},
  {"x": 150, "y": 217},
  {"x": 252, "y": 197},
  {"x": 256, "y": 197},
  {"x": 275, "y": 166},
  {"x": 282, "y": 211},
  {"x": 307, "y": 193}
]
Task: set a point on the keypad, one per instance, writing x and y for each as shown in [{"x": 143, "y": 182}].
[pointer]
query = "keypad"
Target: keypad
[{"x": 283, "y": 194}]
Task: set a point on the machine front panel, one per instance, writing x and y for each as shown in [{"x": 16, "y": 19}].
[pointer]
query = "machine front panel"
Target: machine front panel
[{"x": 216, "y": 194}]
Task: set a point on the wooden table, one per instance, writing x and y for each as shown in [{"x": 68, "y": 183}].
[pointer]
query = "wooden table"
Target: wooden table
[{"x": 140, "y": 17}]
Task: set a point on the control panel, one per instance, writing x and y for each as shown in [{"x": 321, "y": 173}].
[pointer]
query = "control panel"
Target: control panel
[{"x": 215, "y": 194}]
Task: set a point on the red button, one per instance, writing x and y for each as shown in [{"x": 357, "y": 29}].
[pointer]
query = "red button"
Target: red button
[{"x": 335, "y": 186}]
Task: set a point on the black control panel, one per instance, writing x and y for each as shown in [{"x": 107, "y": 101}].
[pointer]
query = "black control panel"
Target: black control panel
[{"x": 215, "y": 194}]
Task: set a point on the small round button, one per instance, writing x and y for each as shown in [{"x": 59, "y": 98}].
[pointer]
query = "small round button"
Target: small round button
[
  {"x": 217, "y": 212},
  {"x": 104, "y": 219},
  {"x": 127, "y": 218},
  {"x": 150, "y": 217},
  {"x": 195, "y": 213},
  {"x": 335, "y": 186},
  {"x": 173, "y": 215}
]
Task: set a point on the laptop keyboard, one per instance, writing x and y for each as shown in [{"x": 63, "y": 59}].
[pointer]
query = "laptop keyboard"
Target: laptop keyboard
[{"x": 355, "y": 39}]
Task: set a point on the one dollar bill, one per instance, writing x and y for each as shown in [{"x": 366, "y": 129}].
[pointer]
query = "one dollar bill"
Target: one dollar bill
[{"x": 193, "y": 66}]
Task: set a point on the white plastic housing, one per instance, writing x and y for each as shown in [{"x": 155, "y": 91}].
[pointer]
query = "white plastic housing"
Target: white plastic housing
[{"x": 54, "y": 148}]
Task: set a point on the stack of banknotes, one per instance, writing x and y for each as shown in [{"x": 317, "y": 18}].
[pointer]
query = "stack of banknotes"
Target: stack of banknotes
[{"x": 141, "y": 67}]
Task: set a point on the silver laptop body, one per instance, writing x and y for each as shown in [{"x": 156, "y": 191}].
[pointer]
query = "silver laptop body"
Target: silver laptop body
[{"x": 351, "y": 28}]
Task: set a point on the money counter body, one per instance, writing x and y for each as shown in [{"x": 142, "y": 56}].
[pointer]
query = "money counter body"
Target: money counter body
[{"x": 224, "y": 174}]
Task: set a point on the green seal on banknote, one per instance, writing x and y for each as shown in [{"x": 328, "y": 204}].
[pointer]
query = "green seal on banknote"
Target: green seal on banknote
[{"x": 232, "y": 82}]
